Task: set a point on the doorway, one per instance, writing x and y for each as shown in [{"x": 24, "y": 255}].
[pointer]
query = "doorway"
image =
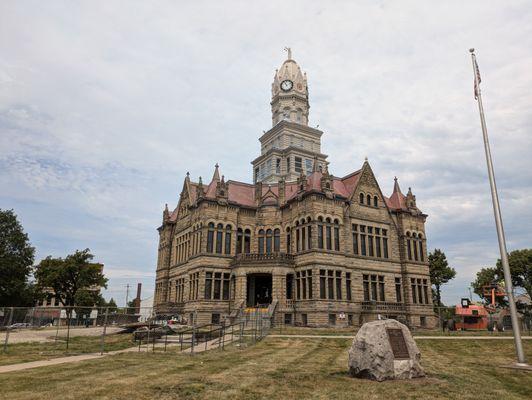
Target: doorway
[{"x": 259, "y": 290}]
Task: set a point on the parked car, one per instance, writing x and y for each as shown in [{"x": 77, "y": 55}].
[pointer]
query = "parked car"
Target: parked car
[
  {"x": 152, "y": 333},
  {"x": 20, "y": 325}
]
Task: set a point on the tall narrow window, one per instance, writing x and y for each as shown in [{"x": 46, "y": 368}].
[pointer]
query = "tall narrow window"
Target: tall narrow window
[
  {"x": 370, "y": 241},
  {"x": 415, "y": 246},
  {"x": 361, "y": 198},
  {"x": 239, "y": 240},
  {"x": 398, "y": 294},
  {"x": 210, "y": 238},
  {"x": 228, "y": 239},
  {"x": 217, "y": 286},
  {"x": 297, "y": 239},
  {"x": 320, "y": 233},
  {"x": 208, "y": 285},
  {"x": 328, "y": 238},
  {"x": 338, "y": 285},
  {"x": 298, "y": 286},
  {"x": 421, "y": 252},
  {"x": 309, "y": 283},
  {"x": 276, "y": 240},
  {"x": 381, "y": 289},
  {"x": 219, "y": 238},
  {"x": 304, "y": 284},
  {"x": 378, "y": 246},
  {"x": 225, "y": 291},
  {"x": 348, "y": 286},
  {"x": 261, "y": 241},
  {"x": 354, "y": 230},
  {"x": 330, "y": 284},
  {"x": 323, "y": 287},
  {"x": 289, "y": 286},
  {"x": 368, "y": 200},
  {"x": 384, "y": 243},
  {"x": 365, "y": 283},
  {"x": 268, "y": 241},
  {"x": 408, "y": 246},
  {"x": 374, "y": 287},
  {"x": 375, "y": 201},
  {"x": 336, "y": 236},
  {"x": 288, "y": 241},
  {"x": 362, "y": 240},
  {"x": 309, "y": 236},
  {"x": 303, "y": 237},
  {"x": 425, "y": 291},
  {"x": 413, "y": 287},
  {"x": 419, "y": 291},
  {"x": 247, "y": 241}
]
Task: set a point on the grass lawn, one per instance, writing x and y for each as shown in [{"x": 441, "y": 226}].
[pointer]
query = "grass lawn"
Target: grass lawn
[
  {"x": 33, "y": 351},
  {"x": 277, "y": 368}
]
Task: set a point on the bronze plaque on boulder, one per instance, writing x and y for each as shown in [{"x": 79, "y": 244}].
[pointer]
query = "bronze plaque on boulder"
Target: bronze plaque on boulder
[{"x": 398, "y": 343}]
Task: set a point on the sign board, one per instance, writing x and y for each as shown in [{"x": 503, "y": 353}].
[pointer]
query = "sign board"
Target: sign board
[{"x": 398, "y": 343}]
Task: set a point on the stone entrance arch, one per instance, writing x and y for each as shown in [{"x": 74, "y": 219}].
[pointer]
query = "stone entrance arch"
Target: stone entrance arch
[{"x": 259, "y": 289}]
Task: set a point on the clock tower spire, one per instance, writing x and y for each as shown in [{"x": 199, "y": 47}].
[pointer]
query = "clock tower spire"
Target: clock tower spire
[{"x": 290, "y": 93}]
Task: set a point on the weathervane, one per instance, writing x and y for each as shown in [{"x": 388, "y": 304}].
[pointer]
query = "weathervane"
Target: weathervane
[{"x": 289, "y": 51}]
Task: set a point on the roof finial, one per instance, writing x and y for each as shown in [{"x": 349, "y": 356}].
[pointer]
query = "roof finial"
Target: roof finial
[
  {"x": 216, "y": 176},
  {"x": 396, "y": 188},
  {"x": 289, "y": 51},
  {"x": 366, "y": 159}
]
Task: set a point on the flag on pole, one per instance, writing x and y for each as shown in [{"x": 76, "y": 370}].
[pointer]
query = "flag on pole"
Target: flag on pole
[{"x": 477, "y": 78}]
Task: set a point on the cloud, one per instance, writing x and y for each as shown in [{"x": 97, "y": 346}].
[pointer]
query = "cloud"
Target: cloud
[{"x": 104, "y": 108}]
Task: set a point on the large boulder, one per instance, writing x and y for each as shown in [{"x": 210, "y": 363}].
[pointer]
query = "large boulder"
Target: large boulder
[{"x": 379, "y": 352}]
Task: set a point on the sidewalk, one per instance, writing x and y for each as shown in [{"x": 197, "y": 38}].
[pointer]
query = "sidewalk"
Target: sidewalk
[
  {"x": 212, "y": 344},
  {"x": 415, "y": 337}
]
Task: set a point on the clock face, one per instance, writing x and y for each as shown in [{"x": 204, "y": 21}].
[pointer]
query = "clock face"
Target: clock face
[{"x": 286, "y": 85}]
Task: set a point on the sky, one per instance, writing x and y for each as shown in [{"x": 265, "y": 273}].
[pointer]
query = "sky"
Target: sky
[{"x": 105, "y": 105}]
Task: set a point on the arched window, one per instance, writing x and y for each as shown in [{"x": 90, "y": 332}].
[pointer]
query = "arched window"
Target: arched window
[
  {"x": 415, "y": 246},
  {"x": 368, "y": 200},
  {"x": 298, "y": 244},
  {"x": 303, "y": 235},
  {"x": 261, "y": 241},
  {"x": 309, "y": 235},
  {"x": 247, "y": 241},
  {"x": 375, "y": 201},
  {"x": 421, "y": 249},
  {"x": 336, "y": 235},
  {"x": 277, "y": 240},
  {"x": 320, "y": 232},
  {"x": 269, "y": 235},
  {"x": 239, "y": 240},
  {"x": 288, "y": 241},
  {"x": 361, "y": 198},
  {"x": 328, "y": 234},
  {"x": 210, "y": 238},
  {"x": 408, "y": 246},
  {"x": 219, "y": 238},
  {"x": 228, "y": 239}
]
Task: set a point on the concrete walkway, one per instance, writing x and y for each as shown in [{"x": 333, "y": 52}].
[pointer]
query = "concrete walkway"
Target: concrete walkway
[
  {"x": 415, "y": 337},
  {"x": 212, "y": 344}
]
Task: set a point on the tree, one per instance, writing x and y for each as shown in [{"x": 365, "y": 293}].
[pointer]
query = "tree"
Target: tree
[
  {"x": 16, "y": 260},
  {"x": 440, "y": 272},
  {"x": 67, "y": 277},
  {"x": 112, "y": 305},
  {"x": 520, "y": 270}
]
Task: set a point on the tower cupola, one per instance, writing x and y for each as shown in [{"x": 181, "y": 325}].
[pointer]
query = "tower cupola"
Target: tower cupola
[{"x": 290, "y": 93}]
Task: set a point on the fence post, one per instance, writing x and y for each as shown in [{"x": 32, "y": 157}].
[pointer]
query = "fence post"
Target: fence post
[
  {"x": 223, "y": 336},
  {"x": 69, "y": 317},
  {"x": 165, "y": 341},
  {"x": 192, "y": 338},
  {"x": 8, "y": 329},
  {"x": 102, "y": 341},
  {"x": 148, "y": 339}
]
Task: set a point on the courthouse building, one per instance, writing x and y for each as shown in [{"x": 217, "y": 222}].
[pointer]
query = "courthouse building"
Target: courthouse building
[{"x": 315, "y": 248}]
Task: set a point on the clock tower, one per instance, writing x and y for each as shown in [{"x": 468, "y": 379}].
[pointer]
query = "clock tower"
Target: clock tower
[
  {"x": 290, "y": 93},
  {"x": 290, "y": 148}
]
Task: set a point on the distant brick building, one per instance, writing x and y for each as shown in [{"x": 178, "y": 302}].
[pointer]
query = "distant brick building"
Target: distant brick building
[{"x": 319, "y": 249}]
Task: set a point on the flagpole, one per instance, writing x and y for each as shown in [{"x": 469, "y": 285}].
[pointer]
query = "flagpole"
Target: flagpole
[{"x": 498, "y": 220}]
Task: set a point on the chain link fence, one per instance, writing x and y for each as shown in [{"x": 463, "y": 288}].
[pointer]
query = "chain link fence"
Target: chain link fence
[{"x": 33, "y": 333}]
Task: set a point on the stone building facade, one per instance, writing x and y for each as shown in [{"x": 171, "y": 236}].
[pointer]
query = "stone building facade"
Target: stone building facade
[{"x": 315, "y": 248}]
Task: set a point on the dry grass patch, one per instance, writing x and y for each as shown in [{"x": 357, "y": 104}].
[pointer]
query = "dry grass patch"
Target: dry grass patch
[{"x": 277, "y": 368}]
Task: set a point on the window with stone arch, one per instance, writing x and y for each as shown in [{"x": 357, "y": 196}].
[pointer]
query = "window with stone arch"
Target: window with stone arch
[
  {"x": 375, "y": 201},
  {"x": 408, "y": 246},
  {"x": 298, "y": 235},
  {"x": 288, "y": 240},
  {"x": 219, "y": 238},
  {"x": 421, "y": 248},
  {"x": 336, "y": 235},
  {"x": 228, "y": 239},
  {"x": 269, "y": 237},
  {"x": 328, "y": 233},
  {"x": 415, "y": 242},
  {"x": 320, "y": 232},
  {"x": 247, "y": 241},
  {"x": 210, "y": 238},
  {"x": 361, "y": 198},
  {"x": 309, "y": 233},
  {"x": 303, "y": 234},
  {"x": 239, "y": 240},
  {"x": 261, "y": 238},
  {"x": 277, "y": 240},
  {"x": 368, "y": 200}
]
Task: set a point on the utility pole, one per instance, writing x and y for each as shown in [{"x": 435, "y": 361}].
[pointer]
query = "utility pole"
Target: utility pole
[
  {"x": 127, "y": 293},
  {"x": 498, "y": 219}
]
